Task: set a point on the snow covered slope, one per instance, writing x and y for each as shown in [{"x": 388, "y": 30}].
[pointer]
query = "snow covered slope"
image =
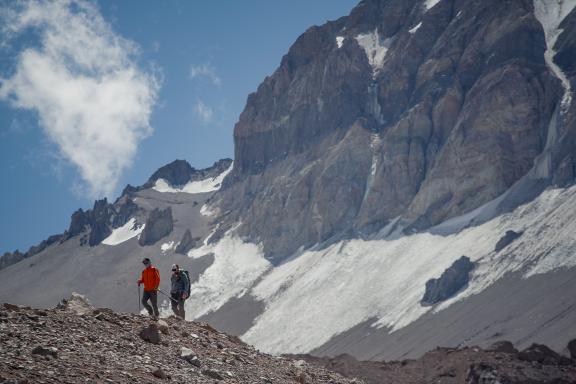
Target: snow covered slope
[{"x": 326, "y": 291}]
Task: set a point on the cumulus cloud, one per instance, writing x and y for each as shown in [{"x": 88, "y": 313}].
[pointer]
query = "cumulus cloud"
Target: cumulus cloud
[
  {"x": 203, "y": 111},
  {"x": 91, "y": 98},
  {"x": 206, "y": 71}
]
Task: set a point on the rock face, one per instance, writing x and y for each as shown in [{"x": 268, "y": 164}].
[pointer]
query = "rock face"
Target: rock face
[
  {"x": 187, "y": 243},
  {"x": 99, "y": 222},
  {"x": 396, "y": 111},
  {"x": 506, "y": 240},
  {"x": 452, "y": 280},
  {"x": 158, "y": 225}
]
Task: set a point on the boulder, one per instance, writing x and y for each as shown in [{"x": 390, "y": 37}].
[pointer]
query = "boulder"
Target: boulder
[
  {"x": 482, "y": 374},
  {"x": 150, "y": 334},
  {"x": 449, "y": 283},
  {"x": 77, "y": 304},
  {"x": 159, "y": 373},
  {"x": 212, "y": 373},
  {"x": 187, "y": 243},
  {"x": 158, "y": 225},
  {"x": 189, "y": 355},
  {"x": 45, "y": 351},
  {"x": 572, "y": 349},
  {"x": 503, "y": 346},
  {"x": 163, "y": 327},
  {"x": 506, "y": 240},
  {"x": 542, "y": 354}
]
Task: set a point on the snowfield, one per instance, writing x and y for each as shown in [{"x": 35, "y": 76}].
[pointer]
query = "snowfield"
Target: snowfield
[
  {"x": 551, "y": 13},
  {"x": 324, "y": 292},
  {"x": 374, "y": 48},
  {"x": 199, "y": 186},
  {"x": 124, "y": 233}
]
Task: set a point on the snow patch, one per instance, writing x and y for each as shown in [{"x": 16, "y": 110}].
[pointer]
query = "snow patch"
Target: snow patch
[
  {"x": 326, "y": 292},
  {"x": 339, "y": 41},
  {"x": 374, "y": 48},
  {"x": 206, "y": 210},
  {"x": 199, "y": 186},
  {"x": 417, "y": 27},
  {"x": 237, "y": 265},
  {"x": 124, "y": 233},
  {"x": 551, "y": 13},
  {"x": 167, "y": 246},
  {"x": 430, "y": 3}
]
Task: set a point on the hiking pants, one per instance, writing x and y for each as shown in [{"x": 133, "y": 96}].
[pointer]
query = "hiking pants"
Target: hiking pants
[
  {"x": 178, "y": 305},
  {"x": 153, "y": 297}
]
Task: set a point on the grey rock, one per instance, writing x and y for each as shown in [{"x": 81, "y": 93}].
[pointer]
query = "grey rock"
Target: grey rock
[
  {"x": 99, "y": 222},
  {"x": 503, "y": 346},
  {"x": 124, "y": 210},
  {"x": 572, "y": 348},
  {"x": 150, "y": 334},
  {"x": 187, "y": 243},
  {"x": 544, "y": 355},
  {"x": 159, "y": 373},
  {"x": 176, "y": 173},
  {"x": 483, "y": 374},
  {"x": 11, "y": 307},
  {"x": 506, "y": 240},
  {"x": 189, "y": 355},
  {"x": 213, "y": 374},
  {"x": 78, "y": 223},
  {"x": 45, "y": 351},
  {"x": 449, "y": 283},
  {"x": 158, "y": 225}
]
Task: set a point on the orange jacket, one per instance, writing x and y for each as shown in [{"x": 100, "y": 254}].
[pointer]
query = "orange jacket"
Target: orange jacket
[{"x": 150, "y": 278}]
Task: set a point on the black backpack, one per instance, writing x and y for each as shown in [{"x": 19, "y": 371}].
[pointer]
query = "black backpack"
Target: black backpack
[{"x": 187, "y": 276}]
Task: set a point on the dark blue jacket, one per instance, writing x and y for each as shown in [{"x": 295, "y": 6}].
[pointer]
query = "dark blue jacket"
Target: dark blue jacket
[{"x": 180, "y": 283}]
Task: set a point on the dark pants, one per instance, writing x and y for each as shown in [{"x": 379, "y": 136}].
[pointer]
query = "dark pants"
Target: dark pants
[
  {"x": 153, "y": 297},
  {"x": 178, "y": 305}
]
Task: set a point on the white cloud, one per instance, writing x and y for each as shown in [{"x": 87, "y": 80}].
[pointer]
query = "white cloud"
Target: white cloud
[
  {"x": 91, "y": 98},
  {"x": 207, "y": 71},
  {"x": 203, "y": 111}
]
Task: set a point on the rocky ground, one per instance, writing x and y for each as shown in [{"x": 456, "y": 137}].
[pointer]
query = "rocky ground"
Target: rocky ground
[
  {"x": 76, "y": 343},
  {"x": 500, "y": 364}
]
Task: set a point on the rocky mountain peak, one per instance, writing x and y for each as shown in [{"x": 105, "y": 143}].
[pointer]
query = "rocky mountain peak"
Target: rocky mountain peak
[
  {"x": 407, "y": 110},
  {"x": 176, "y": 173}
]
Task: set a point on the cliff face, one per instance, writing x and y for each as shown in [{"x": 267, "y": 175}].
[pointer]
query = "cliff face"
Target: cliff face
[{"x": 404, "y": 109}]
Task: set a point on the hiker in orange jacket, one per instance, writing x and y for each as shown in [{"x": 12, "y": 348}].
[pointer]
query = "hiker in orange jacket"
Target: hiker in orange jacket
[{"x": 151, "y": 280}]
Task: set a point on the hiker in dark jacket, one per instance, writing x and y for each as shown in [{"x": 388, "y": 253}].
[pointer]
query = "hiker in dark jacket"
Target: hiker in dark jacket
[{"x": 179, "y": 290}]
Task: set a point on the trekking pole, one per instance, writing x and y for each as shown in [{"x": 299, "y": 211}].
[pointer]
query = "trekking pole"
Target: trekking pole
[
  {"x": 139, "y": 305},
  {"x": 170, "y": 297}
]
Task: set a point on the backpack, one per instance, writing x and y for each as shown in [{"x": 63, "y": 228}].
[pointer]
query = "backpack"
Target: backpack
[{"x": 187, "y": 276}]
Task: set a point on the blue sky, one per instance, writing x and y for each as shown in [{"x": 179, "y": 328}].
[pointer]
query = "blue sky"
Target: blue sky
[{"x": 178, "y": 73}]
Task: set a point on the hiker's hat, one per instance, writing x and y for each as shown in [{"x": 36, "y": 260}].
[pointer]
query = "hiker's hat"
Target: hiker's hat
[{"x": 146, "y": 261}]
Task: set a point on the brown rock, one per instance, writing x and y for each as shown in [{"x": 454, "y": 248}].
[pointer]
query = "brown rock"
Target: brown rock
[
  {"x": 159, "y": 373},
  {"x": 150, "y": 334}
]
